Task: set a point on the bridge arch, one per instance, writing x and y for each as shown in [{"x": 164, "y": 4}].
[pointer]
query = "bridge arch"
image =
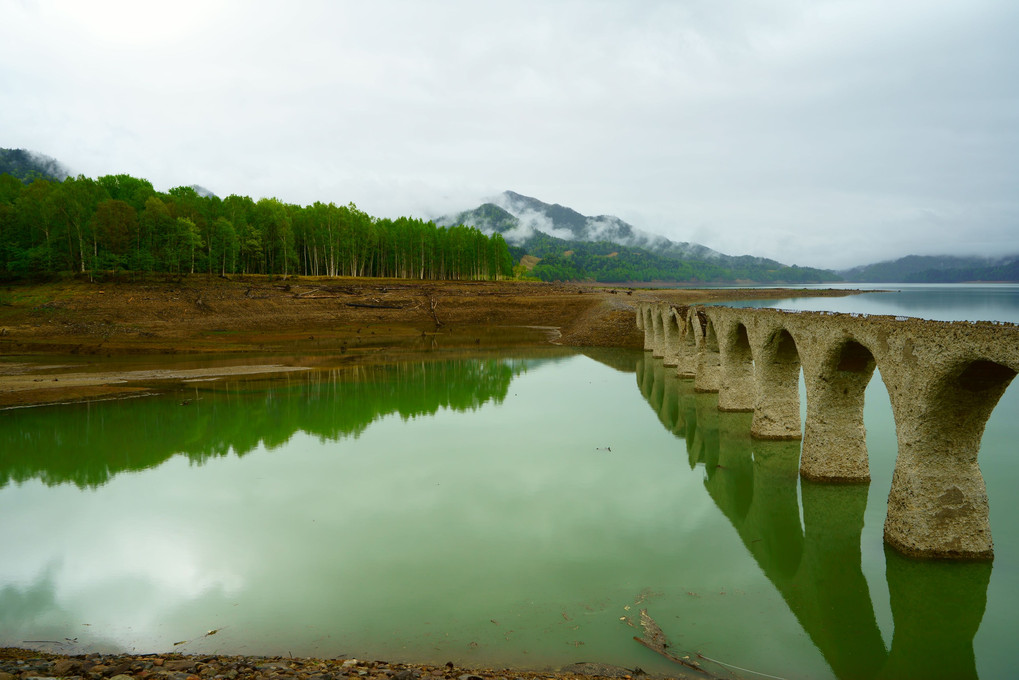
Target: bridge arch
[
  {"x": 672, "y": 338},
  {"x": 736, "y": 373},
  {"x": 708, "y": 358},
  {"x": 937, "y": 506},
  {"x": 687, "y": 365},
  {"x": 834, "y": 438},
  {"x": 645, "y": 324},
  {"x": 777, "y": 387},
  {"x": 658, "y": 326}
]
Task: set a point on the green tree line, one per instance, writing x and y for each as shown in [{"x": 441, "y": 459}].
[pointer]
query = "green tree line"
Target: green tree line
[
  {"x": 119, "y": 222},
  {"x": 611, "y": 262}
]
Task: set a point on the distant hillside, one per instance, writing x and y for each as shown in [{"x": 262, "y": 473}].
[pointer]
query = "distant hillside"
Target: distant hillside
[
  {"x": 28, "y": 166},
  {"x": 202, "y": 191},
  {"x": 518, "y": 217},
  {"x": 936, "y": 269},
  {"x": 603, "y": 261},
  {"x": 573, "y": 246}
]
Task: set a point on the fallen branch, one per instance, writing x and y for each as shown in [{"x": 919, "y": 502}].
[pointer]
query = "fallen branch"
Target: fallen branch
[
  {"x": 432, "y": 303},
  {"x": 369, "y": 305},
  {"x": 655, "y": 640},
  {"x": 686, "y": 662}
]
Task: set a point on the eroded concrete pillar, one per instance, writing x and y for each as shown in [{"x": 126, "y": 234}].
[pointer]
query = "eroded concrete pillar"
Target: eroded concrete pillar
[
  {"x": 645, "y": 324},
  {"x": 686, "y": 364},
  {"x": 777, "y": 388},
  {"x": 670, "y": 348},
  {"x": 658, "y": 341},
  {"x": 736, "y": 369},
  {"x": 834, "y": 437},
  {"x": 708, "y": 359},
  {"x": 937, "y": 506}
]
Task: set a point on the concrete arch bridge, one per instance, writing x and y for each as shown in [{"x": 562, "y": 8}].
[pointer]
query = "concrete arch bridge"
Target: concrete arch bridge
[{"x": 943, "y": 380}]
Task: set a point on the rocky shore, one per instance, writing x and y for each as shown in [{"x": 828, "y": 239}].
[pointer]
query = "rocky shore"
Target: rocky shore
[{"x": 23, "y": 664}]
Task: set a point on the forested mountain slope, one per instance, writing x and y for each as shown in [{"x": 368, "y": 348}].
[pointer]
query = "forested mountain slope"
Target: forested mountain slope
[
  {"x": 937, "y": 269},
  {"x": 572, "y": 246},
  {"x": 27, "y": 166}
]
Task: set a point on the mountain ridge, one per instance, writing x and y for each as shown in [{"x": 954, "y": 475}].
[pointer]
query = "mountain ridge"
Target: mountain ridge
[
  {"x": 29, "y": 165},
  {"x": 570, "y": 246},
  {"x": 517, "y": 217},
  {"x": 936, "y": 269}
]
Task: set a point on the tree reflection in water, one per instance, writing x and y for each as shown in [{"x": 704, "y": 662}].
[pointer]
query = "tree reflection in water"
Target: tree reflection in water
[{"x": 87, "y": 444}]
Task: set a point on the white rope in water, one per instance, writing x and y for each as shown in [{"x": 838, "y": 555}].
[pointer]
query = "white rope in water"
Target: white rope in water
[{"x": 739, "y": 668}]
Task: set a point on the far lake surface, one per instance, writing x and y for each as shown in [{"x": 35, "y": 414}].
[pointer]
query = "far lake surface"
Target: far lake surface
[{"x": 514, "y": 511}]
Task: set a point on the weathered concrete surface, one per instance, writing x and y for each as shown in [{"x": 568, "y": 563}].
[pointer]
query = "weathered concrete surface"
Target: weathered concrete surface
[
  {"x": 736, "y": 374},
  {"x": 707, "y": 371},
  {"x": 943, "y": 381}
]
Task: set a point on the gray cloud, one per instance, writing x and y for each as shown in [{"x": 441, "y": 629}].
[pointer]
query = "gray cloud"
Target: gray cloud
[
  {"x": 823, "y": 133},
  {"x": 529, "y": 221}
]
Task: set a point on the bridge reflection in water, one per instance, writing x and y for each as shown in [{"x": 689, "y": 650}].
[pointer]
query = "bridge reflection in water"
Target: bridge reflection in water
[{"x": 816, "y": 566}]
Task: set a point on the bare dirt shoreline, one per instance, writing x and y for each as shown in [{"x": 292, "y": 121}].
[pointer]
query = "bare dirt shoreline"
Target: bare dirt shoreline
[
  {"x": 24, "y": 664},
  {"x": 75, "y": 340}
]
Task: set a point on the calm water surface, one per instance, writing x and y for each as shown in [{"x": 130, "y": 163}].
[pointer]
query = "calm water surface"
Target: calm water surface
[
  {"x": 945, "y": 302},
  {"x": 517, "y": 511}
]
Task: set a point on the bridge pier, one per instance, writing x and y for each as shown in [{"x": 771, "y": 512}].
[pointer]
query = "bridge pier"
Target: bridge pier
[
  {"x": 672, "y": 338},
  {"x": 708, "y": 370},
  {"x": 736, "y": 372},
  {"x": 643, "y": 323},
  {"x": 777, "y": 389},
  {"x": 686, "y": 366},
  {"x": 658, "y": 343},
  {"x": 937, "y": 506},
  {"x": 834, "y": 438}
]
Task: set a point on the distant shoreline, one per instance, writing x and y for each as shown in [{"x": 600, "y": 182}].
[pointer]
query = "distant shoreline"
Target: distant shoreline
[{"x": 73, "y": 340}]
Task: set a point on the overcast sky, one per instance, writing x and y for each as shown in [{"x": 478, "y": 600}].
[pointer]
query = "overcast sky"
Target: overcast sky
[{"x": 824, "y": 133}]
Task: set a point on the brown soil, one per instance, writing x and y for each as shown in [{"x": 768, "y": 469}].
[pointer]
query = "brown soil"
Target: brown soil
[{"x": 78, "y": 340}]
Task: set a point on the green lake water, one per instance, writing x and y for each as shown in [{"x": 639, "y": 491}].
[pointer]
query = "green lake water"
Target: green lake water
[{"x": 518, "y": 511}]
